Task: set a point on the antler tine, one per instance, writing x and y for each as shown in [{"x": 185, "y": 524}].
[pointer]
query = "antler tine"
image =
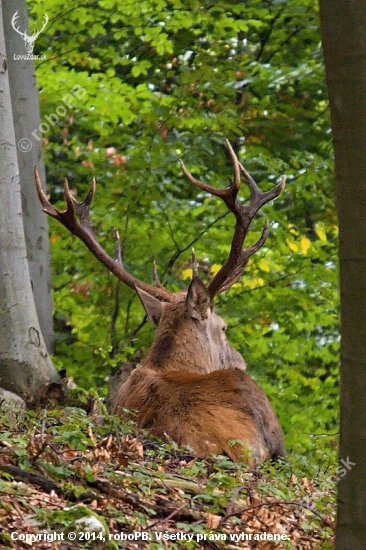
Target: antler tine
[
  {"x": 46, "y": 205},
  {"x": 81, "y": 229},
  {"x": 67, "y": 217},
  {"x": 156, "y": 276},
  {"x": 194, "y": 264},
  {"x": 236, "y": 167},
  {"x": 81, "y": 208},
  {"x": 227, "y": 195},
  {"x": 257, "y": 197},
  {"x": 117, "y": 249},
  {"x": 198, "y": 183}
]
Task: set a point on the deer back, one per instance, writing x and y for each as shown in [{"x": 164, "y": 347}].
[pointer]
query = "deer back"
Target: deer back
[
  {"x": 192, "y": 386},
  {"x": 216, "y": 413}
]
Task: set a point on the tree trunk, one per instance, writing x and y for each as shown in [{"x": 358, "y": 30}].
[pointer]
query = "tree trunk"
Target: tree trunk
[
  {"x": 25, "y": 366},
  {"x": 24, "y": 95},
  {"x": 344, "y": 40}
]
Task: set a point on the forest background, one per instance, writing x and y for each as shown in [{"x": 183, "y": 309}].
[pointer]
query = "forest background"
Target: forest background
[
  {"x": 126, "y": 93},
  {"x": 159, "y": 81}
]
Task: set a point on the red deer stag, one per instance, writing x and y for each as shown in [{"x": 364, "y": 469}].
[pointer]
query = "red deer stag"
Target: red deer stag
[{"x": 191, "y": 387}]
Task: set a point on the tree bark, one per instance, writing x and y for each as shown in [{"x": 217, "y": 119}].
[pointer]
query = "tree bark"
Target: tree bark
[
  {"x": 344, "y": 40},
  {"x": 25, "y": 366},
  {"x": 25, "y": 106}
]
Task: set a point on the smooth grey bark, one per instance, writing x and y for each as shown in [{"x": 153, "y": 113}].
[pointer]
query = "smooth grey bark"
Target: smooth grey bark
[
  {"x": 26, "y": 116},
  {"x": 343, "y": 25},
  {"x": 25, "y": 366}
]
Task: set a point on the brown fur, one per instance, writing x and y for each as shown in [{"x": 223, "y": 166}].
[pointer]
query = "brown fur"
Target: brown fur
[
  {"x": 200, "y": 398},
  {"x": 205, "y": 412}
]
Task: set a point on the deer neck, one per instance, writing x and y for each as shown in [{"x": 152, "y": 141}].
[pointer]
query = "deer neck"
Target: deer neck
[{"x": 179, "y": 346}]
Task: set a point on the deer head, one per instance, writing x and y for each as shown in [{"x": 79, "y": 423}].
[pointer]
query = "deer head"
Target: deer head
[
  {"x": 193, "y": 322},
  {"x": 29, "y": 40},
  {"x": 191, "y": 360}
]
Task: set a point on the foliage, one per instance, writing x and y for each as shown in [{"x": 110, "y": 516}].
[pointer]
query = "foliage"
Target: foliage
[
  {"x": 73, "y": 468},
  {"x": 166, "y": 80}
]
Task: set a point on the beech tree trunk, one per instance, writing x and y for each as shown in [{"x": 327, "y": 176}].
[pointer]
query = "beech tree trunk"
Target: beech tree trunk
[
  {"x": 25, "y": 366},
  {"x": 343, "y": 25},
  {"x": 26, "y": 116}
]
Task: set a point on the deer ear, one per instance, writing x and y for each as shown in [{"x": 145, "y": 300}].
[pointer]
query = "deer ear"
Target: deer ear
[
  {"x": 198, "y": 301},
  {"x": 152, "y": 305}
]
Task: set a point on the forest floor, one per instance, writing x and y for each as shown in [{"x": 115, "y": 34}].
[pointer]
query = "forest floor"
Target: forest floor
[{"x": 72, "y": 479}]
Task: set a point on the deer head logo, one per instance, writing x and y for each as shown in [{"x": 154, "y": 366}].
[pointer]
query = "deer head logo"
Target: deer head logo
[{"x": 29, "y": 40}]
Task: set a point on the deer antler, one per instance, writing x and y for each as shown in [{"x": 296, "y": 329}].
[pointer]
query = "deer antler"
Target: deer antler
[
  {"x": 37, "y": 33},
  {"x": 238, "y": 258},
  {"x": 81, "y": 228},
  {"x": 76, "y": 218},
  {"x": 13, "y": 23}
]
